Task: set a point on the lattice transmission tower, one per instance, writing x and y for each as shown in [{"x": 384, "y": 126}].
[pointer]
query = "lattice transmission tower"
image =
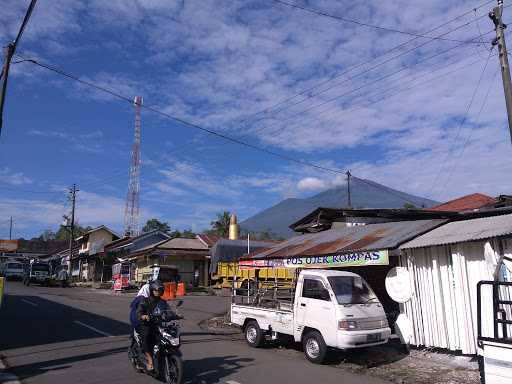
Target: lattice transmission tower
[{"x": 131, "y": 210}]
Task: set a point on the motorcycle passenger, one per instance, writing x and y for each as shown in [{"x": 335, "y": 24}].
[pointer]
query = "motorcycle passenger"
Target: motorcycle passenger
[{"x": 147, "y": 306}]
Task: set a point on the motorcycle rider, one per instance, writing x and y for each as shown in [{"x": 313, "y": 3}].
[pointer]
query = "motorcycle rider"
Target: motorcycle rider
[{"x": 145, "y": 329}]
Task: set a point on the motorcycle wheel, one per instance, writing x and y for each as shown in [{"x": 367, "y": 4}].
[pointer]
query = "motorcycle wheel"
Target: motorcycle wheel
[
  {"x": 132, "y": 355},
  {"x": 173, "y": 369}
]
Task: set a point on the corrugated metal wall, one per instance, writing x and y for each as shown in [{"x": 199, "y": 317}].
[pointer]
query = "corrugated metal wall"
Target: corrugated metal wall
[{"x": 443, "y": 307}]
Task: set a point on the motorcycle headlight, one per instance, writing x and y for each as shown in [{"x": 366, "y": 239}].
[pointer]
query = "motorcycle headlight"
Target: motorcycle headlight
[{"x": 175, "y": 341}]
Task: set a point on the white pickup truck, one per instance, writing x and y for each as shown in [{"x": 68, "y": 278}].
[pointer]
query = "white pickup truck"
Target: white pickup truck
[{"x": 331, "y": 309}]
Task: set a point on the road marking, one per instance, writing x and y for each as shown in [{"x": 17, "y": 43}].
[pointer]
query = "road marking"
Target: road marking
[
  {"x": 93, "y": 329},
  {"x": 30, "y": 302},
  {"x": 232, "y": 382}
]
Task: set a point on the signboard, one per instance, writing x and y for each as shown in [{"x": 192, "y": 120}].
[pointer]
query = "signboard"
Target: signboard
[
  {"x": 353, "y": 259},
  {"x": 8, "y": 245}
]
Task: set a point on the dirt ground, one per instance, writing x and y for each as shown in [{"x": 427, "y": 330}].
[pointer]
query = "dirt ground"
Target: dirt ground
[{"x": 392, "y": 361}]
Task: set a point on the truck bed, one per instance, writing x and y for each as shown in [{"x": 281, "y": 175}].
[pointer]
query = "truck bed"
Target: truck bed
[{"x": 275, "y": 319}]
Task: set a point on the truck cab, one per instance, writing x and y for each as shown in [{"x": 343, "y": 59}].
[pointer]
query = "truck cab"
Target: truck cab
[
  {"x": 330, "y": 309},
  {"x": 37, "y": 272}
]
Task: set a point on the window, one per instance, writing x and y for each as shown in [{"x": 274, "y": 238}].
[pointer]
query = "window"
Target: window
[
  {"x": 351, "y": 290},
  {"x": 314, "y": 289}
]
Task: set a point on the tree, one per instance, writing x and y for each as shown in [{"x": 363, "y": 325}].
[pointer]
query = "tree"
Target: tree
[
  {"x": 221, "y": 225},
  {"x": 155, "y": 224},
  {"x": 188, "y": 234},
  {"x": 409, "y": 206},
  {"x": 64, "y": 232}
]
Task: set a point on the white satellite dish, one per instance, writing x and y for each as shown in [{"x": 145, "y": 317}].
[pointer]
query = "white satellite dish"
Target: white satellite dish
[{"x": 398, "y": 284}]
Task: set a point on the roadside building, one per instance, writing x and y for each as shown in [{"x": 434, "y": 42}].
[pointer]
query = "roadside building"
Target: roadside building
[
  {"x": 188, "y": 256},
  {"x": 90, "y": 260},
  {"x": 445, "y": 266},
  {"x": 123, "y": 249}
]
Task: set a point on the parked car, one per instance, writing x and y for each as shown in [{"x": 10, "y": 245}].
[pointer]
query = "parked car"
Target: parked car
[{"x": 12, "y": 270}]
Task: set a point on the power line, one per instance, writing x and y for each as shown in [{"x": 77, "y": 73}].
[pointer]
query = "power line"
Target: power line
[
  {"x": 399, "y": 90},
  {"x": 357, "y": 75},
  {"x": 363, "y": 63},
  {"x": 461, "y": 124},
  {"x": 362, "y": 24},
  {"x": 184, "y": 122},
  {"x": 330, "y": 100},
  {"x": 383, "y": 188},
  {"x": 477, "y": 119}
]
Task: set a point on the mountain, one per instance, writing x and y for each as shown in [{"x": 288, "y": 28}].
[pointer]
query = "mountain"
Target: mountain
[{"x": 364, "y": 194}]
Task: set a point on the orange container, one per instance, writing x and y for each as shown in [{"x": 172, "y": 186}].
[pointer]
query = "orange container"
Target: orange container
[
  {"x": 181, "y": 289},
  {"x": 169, "y": 291}
]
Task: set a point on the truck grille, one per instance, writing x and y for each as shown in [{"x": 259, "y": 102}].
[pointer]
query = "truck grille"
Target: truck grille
[{"x": 372, "y": 323}]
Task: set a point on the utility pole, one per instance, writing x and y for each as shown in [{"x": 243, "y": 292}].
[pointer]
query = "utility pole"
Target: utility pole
[
  {"x": 10, "y": 50},
  {"x": 72, "y": 196},
  {"x": 348, "y": 189},
  {"x": 496, "y": 17},
  {"x": 10, "y": 229}
]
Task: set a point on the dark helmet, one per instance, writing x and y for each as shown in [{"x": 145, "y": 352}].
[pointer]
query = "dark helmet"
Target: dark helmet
[{"x": 156, "y": 285}]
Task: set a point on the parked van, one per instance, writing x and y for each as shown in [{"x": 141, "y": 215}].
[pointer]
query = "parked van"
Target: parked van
[
  {"x": 326, "y": 309},
  {"x": 12, "y": 270}
]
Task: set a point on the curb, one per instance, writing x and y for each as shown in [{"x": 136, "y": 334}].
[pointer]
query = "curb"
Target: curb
[{"x": 5, "y": 377}]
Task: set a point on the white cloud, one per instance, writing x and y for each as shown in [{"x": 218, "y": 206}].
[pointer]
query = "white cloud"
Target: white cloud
[
  {"x": 311, "y": 184},
  {"x": 13, "y": 178}
]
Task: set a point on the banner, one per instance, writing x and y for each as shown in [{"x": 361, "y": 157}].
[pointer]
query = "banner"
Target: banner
[{"x": 353, "y": 259}]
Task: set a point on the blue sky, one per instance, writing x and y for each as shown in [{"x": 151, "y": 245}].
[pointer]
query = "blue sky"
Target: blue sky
[{"x": 218, "y": 62}]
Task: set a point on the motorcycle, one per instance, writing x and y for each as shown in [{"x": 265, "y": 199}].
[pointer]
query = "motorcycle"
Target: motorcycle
[{"x": 167, "y": 361}]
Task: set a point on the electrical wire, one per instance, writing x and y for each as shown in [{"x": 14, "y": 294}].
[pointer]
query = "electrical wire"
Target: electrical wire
[
  {"x": 468, "y": 138},
  {"x": 183, "y": 121},
  {"x": 462, "y": 122},
  {"x": 360, "y": 23},
  {"x": 360, "y": 64},
  {"x": 370, "y": 83}
]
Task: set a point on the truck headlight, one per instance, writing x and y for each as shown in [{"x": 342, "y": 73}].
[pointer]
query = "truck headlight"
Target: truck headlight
[{"x": 347, "y": 325}]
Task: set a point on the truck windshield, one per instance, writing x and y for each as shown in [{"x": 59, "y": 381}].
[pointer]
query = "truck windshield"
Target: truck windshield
[
  {"x": 351, "y": 290},
  {"x": 40, "y": 268}
]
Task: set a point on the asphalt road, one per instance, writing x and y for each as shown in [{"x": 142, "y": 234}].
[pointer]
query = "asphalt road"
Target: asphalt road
[{"x": 61, "y": 335}]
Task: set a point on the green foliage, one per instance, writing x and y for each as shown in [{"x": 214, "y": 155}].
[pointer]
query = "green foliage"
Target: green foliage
[
  {"x": 409, "y": 206},
  {"x": 155, "y": 224},
  {"x": 220, "y": 226}
]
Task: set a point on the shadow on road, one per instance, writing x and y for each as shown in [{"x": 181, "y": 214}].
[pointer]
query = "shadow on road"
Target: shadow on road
[
  {"x": 30, "y": 370},
  {"x": 212, "y": 369},
  {"x": 28, "y": 321}
]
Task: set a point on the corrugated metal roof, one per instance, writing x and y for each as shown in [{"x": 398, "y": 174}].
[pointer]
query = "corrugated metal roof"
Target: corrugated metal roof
[
  {"x": 349, "y": 239},
  {"x": 183, "y": 243},
  {"x": 467, "y": 230}
]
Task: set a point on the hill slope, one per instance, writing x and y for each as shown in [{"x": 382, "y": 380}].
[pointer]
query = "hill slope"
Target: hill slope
[{"x": 364, "y": 194}]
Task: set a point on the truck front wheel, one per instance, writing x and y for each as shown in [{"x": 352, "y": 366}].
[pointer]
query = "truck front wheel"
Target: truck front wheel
[
  {"x": 253, "y": 334},
  {"x": 314, "y": 347}
]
